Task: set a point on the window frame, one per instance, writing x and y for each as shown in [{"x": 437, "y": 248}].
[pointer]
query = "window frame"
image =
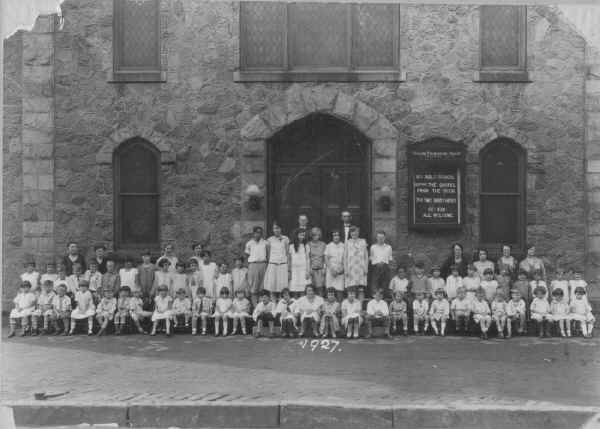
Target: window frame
[
  {"x": 521, "y": 154},
  {"x": 117, "y": 194},
  {"x": 349, "y": 73},
  {"x": 505, "y": 73},
  {"x": 134, "y": 74}
]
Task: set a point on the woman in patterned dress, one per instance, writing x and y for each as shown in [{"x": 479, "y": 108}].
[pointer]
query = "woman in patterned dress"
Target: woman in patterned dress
[
  {"x": 532, "y": 263},
  {"x": 316, "y": 249},
  {"x": 334, "y": 260},
  {"x": 356, "y": 260}
]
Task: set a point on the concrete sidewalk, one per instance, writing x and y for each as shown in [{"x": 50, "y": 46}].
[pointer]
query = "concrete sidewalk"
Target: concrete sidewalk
[{"x": 414, "y": 382}]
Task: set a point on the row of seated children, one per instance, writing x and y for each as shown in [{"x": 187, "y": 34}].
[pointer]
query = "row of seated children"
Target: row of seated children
[
  {"x": 54, "y": 307},
  {"x": 489, "y": 282}
]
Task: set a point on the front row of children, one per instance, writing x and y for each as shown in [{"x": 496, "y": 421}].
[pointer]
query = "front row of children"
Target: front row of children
[{"x": 309, "y": 314}]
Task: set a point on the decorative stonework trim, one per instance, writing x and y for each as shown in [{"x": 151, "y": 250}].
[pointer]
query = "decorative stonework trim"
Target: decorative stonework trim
[
  {"x": 495, "y": 132},
  {"x": 105, "y": 154}
]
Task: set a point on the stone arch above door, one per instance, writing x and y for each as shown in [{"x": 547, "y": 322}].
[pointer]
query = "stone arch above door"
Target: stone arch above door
[{"x": 298, "y": 102}]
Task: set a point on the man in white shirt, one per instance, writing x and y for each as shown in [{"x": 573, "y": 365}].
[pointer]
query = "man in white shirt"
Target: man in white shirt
[
  {"x": 380, "y": 256},
  {"x": 378, "y": 313},
  {"x": 256, "y": 249}
]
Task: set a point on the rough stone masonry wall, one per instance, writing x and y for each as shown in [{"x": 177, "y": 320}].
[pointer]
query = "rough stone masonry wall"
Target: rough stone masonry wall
[{"x": 196, "y": 118}]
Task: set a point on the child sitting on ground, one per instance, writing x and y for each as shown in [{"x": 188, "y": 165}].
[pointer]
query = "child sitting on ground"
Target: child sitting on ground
[
  {"x": 181, "y": 308},
  {"x": 61, "y": 304},
  {"x": 162, "y": 309},
  {"x": 222, "y": 311},
  {"x": 105, "y": 311},
  {"x": 499, "y": 313},
  {"x": 351, "y": 314},
  {"x": 240, "y": 311},
  {"x": 24, "y": 308},
  {"x": 581, "y": 312},
  {"x": 461, "y": 311},
  {"x": 540, "y": 311},
  {"x": 85, "y": 307},
  {"x": 263, "y": 313},
  {"x": 559, "y": 312},
  {"x": 481, "y": 313},
  {"x": 201, "y": 309},
  {"x": 516, "y": 311},
  {"x": 122, "y": 309},
  {"x": 285, "y": 313},
  {"x": 329, "y": 319},
  {"x": 398, "y": 313},
  {"x": 44, "y": 309},
  {"x": 137, "y": 312},
  {"x": 420, "y": 311},
  {"x": 439, "y": 312}
]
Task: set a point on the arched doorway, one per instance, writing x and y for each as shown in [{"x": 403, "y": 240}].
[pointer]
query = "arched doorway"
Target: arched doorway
[{"x": 319, "y": 165}]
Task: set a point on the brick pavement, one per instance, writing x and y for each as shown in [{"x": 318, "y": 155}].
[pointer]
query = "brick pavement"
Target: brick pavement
[{"x": 414, "y": 370}]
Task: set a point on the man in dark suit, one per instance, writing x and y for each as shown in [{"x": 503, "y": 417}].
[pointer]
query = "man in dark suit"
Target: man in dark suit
[
  {"x": 100, "y": 250},
  {"x": 346, "y": 224},
  {"x": 73, "y": 257},
  {"x": 302, "y": 226}
]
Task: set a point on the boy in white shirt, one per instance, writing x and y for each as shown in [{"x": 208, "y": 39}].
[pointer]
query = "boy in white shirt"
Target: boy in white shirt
[
  {"x": 378, "y": 312},
  {"x": 420, "y": 310},
  {"x": 256, "y": 250},
  {"x": 540, "y": 311},
  {"x": 461, "y": 311},
  {"x": 380, "y": 256},
  {"x": 516, "y": 311},
  {"x": 400, "y": 282},
  {"x": 439, "y": 312}
]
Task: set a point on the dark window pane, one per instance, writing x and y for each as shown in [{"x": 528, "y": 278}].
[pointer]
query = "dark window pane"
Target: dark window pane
[
  {"x": 262, "y": 34},
  {"x": 139, "y": 220},
  {"x": 318, "y": 34},
  {"x": 499, "y": 219},
  {"x": 139, "y": 41},
  {"x": 373, "y": 35},
  {"x": 500, "y": 169},
  {"x": 500, "y": 37},
  {"x": 138, "y": 170}
]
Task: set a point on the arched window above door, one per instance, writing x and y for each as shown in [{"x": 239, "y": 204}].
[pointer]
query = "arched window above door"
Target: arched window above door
[
  {"x": 136, "y": 177},
  {"x": 502, "y": 194}
]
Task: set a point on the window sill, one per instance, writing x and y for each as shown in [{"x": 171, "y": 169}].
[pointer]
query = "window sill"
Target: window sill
[
  {"x": 502, "y": 76},
  {"x": 137, "y": 77},
  {"x": 320, "y": 76}
]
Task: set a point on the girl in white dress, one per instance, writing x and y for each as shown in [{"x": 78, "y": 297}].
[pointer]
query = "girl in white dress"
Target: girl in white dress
[
  {"x": 581, "y": 311},
  {"x": 334, "y": 262},
  {"x": 472, "y": 282},
  {"x": 499, "y": 313},
  {"x": 453, "y": 282},
  {"x": 162, "y": 310},
  {"x": 181, "y": 308},
  {"x": 329, "y": 319},
  {"x": 85, "y": 307},
  {"x": 559, "y": 312},
  {"x": 222, "y": 311},
  {"x": 168, "y": 254},
  {"x": 308, "y": 308},
  {"x": 351, "y": 314},
  {"x": 540, "y": 311},
  {"x": 240, "y": 311},
  {"x": 299, "y": 263},
  {"x": 285, "y": 312},
  {"x": 209, "y": 275},
  {"x": 24, "y": 308},
  {"x": 276, "y": 276},
  {"x": 128, "y": 275},
  {"x": 224, "y": 278},
  {"x": 575, "y": 282}
]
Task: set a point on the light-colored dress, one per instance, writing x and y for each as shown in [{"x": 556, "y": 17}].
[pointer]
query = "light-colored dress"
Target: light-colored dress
[
  {"x": 106, "y": 308},
  {"x": 531, "y": 264},
  {"x": 276, "y": 276},
  {"x": 452, "y": 285},
  {"x": 85, "y": 305},
  {"x": 309, "y": 308},
  {"x": 24, "y": 305},
  {"x": 334, "y": 257},
  {"x": 181, "y": 307},
  {"x": 300, "y": 262},
  {"x": 581, "y": 310},
  {"x": 223, "y": 308},
  {"x": 440, "y": 310},
  {"x": 240, "y": 308},
  {"x": 481, "y": 310},
  {"x": 481, "y": 266},
  {"x": 127, "y": 278},
  {"x": 330, "y": 311},
  {"x": 161, "y": 308},
  {"x": 351, "y": 311},
  {"x": 33, "y": 278},
  {"x": 559, "y": 310},
  {"x": 224, "y": 280},
  {"x": 316, "y": 251},
  {"x": 540, "y": 309},
  {"x": 44, "y": 304},
  {"x": 356, "y": 263},
  {"x": 209, "y": 275}
]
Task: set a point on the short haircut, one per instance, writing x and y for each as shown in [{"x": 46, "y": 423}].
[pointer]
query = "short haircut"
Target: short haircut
[
  {"x": 205, "y": 253},
  {"x": 419, "y": 264},
  {"x": 163, "y": 287},
  {"x": 201, "y": 289},
  {"x": 224, "y": 291},
  {"x": 48, "y": 283},
  {"x": 439, "y": 291},
  {"x": 146, "y": 253},
  {"x": 99, "y": 246},
  {"x": 125, "y": 289},
  {"x": 257, "y": 229},
  {"x": 93, "y": 262},
  {"x": 285, "y": 291},
  {"x": 330, "y": 290},
  {"x": 164, "y": 261},
  {"x": 180, "y": 264},
  {"x": 25, "y": 284},
  {"x": 539, "y": 290},
  {"x": 522, "y": 273},
  {"x": 180, "y": 291},
  {"x": 488, "y": 271},
  {"x": 580, "y": 290},
  {"x": 239, "y": 258},
  {"x": 84, "y": 283},
  {"x": 380, "y": 231},
  {"x": 557, "y": 292},
  {"x": 265, "y": 292}
]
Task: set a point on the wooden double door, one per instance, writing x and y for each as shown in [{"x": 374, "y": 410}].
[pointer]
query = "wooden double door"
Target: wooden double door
[{"x": 319, "y": 166}]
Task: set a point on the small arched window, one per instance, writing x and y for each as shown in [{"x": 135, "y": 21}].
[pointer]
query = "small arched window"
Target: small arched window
[
  {"x": 502, "y": 196},
  {"x": 136, "y": 168}
]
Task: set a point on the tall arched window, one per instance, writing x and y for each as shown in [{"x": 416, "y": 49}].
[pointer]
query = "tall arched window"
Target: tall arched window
[
  {"x": 502, "y": 196},
  {"x": 136, "y": 168}
]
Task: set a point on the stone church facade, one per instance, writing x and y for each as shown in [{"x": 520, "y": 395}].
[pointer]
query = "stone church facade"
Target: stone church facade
[{"x": 97, "y": 151}]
